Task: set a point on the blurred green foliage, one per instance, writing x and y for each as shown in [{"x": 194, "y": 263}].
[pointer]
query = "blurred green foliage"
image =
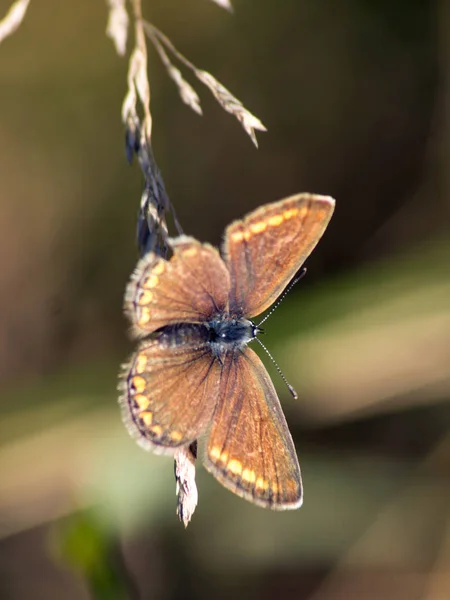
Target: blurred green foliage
[{"x": 83, "y": 542}]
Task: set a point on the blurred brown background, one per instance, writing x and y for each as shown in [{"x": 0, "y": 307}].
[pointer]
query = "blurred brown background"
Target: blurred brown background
[{"x": 355, "y": 96}]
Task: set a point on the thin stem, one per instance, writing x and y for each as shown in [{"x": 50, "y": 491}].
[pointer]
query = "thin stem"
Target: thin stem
[
  {"x": 153, "y": 32},
  {"x": 142, "y": 47}
]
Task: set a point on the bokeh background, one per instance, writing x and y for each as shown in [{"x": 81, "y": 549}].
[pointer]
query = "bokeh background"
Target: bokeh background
[{"x": 355, "y": 95}]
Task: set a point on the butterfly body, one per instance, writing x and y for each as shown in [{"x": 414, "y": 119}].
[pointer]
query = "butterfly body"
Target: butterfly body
[
  {"x": 194, "y": 374},
  {"x": 219, "y": 336}
]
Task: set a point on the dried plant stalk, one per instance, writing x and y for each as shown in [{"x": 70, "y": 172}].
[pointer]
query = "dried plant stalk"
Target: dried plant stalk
[
  {"x": 152, "y": 231},
  {"x": 186, "y": 486},
  {"x": 13, "y": 18},
  {"x": 224, "y": 4},
  {"x": 152, "y": 227},
  {"x": 117, "y": 27},
  {"x": 187, "y": 92},
  {"x": 138, "y": 85},
  {"x": 226, "y": 99}
]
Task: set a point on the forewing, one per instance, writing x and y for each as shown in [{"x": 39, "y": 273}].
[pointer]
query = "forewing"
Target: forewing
[
  {"x": 191, "y": 287},
  {"x": 249, "y": 449},
  {"x": 264, "y": 250},
  {"x": 169, "y": 393}
]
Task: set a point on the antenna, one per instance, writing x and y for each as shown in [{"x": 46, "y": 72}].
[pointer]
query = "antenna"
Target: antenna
[
  {"x": 283, "y": 296},
  {"x": 280, "y": 372}
]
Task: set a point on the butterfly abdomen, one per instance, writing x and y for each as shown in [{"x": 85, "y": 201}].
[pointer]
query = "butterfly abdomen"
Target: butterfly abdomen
[{"x": 182, "y": 334}]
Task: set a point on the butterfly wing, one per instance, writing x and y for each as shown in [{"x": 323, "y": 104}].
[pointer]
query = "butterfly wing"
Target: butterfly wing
[
  {"x": 169, "y": 392},
  {"x": 249, "y": 448},
  {"x": 191, "y": 287},
  {"x": 264, "y": 250}
]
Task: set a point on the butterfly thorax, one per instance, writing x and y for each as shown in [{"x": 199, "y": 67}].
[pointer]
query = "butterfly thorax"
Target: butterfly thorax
[{"x": 228, "y": 333}]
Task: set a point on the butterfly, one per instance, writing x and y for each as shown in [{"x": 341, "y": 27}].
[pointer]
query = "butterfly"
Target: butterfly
[{"x": 193, "y": 374}]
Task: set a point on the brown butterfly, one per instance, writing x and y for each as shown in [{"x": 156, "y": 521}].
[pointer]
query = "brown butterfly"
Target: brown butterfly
[{"x": 193, "y": 375}]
